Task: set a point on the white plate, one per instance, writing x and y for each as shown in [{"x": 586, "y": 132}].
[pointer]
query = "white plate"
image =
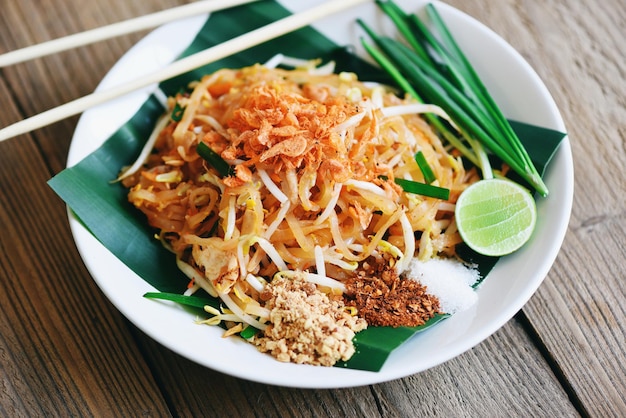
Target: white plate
[{"x": 523, "y": 97}]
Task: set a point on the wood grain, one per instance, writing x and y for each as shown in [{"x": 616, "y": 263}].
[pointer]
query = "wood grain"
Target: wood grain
[
  {"x": 457, "y": 388},
  {"x": 62, "y": 343},
  {"x": 66, "y": 351},
  {"x": 583, "y": 297}
]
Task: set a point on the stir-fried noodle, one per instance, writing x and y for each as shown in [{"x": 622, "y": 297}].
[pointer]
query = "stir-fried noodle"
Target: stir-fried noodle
[{"x": 312, "y": 194}]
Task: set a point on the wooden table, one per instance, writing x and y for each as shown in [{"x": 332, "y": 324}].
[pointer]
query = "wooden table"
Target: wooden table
[{"x": 66, "y": 351}]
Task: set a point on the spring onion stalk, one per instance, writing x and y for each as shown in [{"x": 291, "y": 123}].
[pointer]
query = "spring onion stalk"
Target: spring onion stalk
[
  {"x": 404, "y": 63},
  {"x": 451, "y": 45},
  {"x": 193, "y": 301},
  {"x": 405, "y": 85},
  {"x": 214, "y": 159},
  {"x": 248, "y": 332},
  {"x": 437, "y": 71},
  {"x": 423, "y": 189},
  {"x": 423, "y": 42},
  {"x": 422, "y": 163},
  {"x": 460, "y": 108},
  {"x": 415, "y": 187},
  {"x": 177, "y": 113},
  {"x": 485, "y": 164}
]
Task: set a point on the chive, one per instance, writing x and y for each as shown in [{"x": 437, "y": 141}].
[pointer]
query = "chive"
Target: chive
[
  {"x": 193, "y": 301},
  {"x": 399, "y": 18},
  {"x": 427, "y": 172},
  {"x": 455, "y": 106},
  {"x": 248, "y": 332},
  {"x": 436, "y": 70},
  {"x": 423, "y": 189},
  {"x": 458, "y": 107},
  {"x": 437, "y": 54},
  {"x": 480, "y": 88},
  {"x": 438, "y": 91},
  {"x": 177, "y": 113},
  {"x": 506, "y": 137},
  {"x": 223, "y": 168},
  {"x": 388, "y": 66}
]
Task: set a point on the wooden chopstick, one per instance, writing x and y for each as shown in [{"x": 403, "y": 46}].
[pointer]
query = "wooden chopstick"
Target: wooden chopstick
[
  {"x": 227, "y": 48},
  {"x": 116, "y": 29}
]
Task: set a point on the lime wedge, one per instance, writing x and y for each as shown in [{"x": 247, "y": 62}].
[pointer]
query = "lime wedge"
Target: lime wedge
[{"x": 495, "y": 217}]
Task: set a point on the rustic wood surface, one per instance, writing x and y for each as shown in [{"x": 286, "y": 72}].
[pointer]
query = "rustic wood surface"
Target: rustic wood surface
[{"x": 66, "y": 351}]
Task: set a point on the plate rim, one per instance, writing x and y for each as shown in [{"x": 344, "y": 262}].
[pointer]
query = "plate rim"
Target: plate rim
[{"x": 348, "y": 378}]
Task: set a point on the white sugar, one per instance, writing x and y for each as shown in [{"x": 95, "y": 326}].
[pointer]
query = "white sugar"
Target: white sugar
[{"x": 449, "y": 280}]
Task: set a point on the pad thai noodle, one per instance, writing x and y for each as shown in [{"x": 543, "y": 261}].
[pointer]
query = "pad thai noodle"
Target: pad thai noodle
[{"x": 308, "y": 222}]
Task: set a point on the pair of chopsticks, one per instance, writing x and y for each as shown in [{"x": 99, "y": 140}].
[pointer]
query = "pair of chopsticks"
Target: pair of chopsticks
[{"x": 230, "y": 47}]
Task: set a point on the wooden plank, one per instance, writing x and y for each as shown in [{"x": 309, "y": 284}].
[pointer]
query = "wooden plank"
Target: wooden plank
[
  {"x": 68, "y": 351},
  {"x": 578, "y": 50},
  {"x": 64, "y": 349}
]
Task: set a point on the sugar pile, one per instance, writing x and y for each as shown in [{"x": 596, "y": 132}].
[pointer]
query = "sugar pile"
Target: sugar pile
[{"x": 449, "y": 280}]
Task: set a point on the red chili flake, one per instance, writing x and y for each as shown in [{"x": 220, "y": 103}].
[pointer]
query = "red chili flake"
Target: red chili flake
[{"x": 382, "y": 298}]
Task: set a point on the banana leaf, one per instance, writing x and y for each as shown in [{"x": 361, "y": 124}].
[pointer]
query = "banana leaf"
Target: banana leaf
[{"x": 103, "y": 208}]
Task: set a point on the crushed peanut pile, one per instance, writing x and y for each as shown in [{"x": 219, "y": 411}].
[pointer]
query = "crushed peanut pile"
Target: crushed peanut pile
[{"x": 306, "y": 325}]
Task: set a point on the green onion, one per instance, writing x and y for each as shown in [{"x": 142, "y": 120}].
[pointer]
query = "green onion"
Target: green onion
[
  {"x": 223, "y": 168},
  {"x": 248, "y": 332},
  {"x": 442, "y": 128},
  {"x": 429, "y": 190},
  {"x": 437, "y": 72},
  {"x": 427, "y": 172},
  {"x": 177, "y": 113},
  {"x": 193, "y": 301},
  {"x": 423, "y": 189}
]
